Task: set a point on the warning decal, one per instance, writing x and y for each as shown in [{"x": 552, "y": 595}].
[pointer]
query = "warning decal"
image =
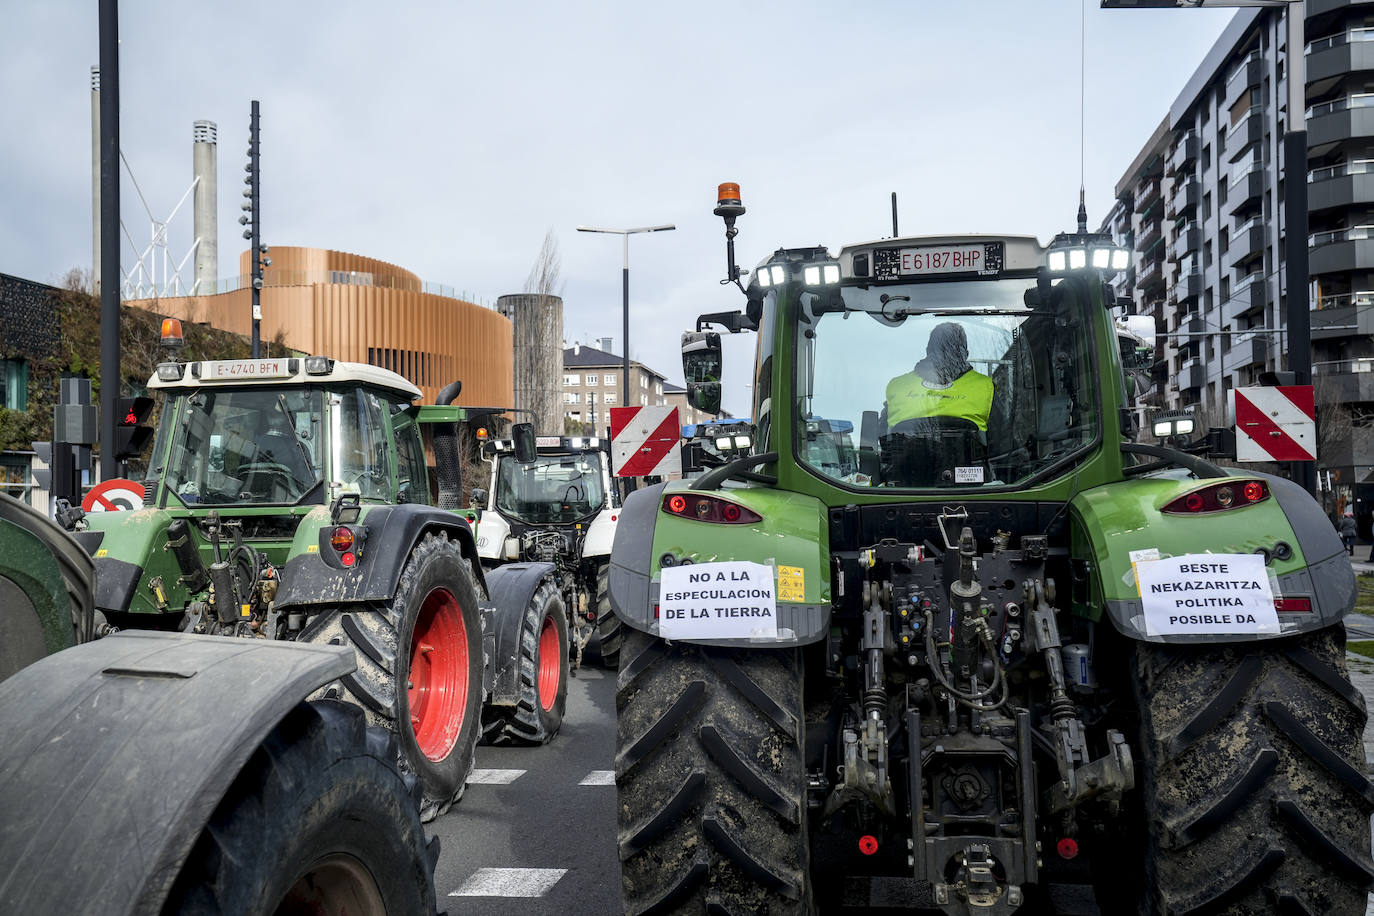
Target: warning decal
[
  {"x": 1207, "y": 593},
  {"x": 644, "y": 441}
]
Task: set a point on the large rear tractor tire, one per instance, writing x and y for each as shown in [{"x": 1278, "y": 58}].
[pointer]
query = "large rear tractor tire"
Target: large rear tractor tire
[
  {"x": 318, "y": 821},
  {"x": 710, "y": 780},
  {"x": 1255, "y": 794},
  {"x": 609, "y": 629},
  {"x": 543, "y": 662},
  {"x": 428, "y": 639}
]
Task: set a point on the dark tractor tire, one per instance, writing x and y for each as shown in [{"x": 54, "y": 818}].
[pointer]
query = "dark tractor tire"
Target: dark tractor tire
[
  {"x": 428, "y": 638},
  {"x": 609, "y": 629},
  {"x": 543, "y": 662},
  {"x": 318, "y": 821},
  {"x": 1254, "y": 786},
  {"x": 709, "y": 779}
]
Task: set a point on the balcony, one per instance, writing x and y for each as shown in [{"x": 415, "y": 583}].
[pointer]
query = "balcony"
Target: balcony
[
  {"x": 1184, "y": 199},
  {"x": 1249, "y": 296},
  {"x": 1341, "y": 250},
  {"x": 1245, "y": 76},
  {"x": 1185, "y": 153},
  {"x": 1150, "y": 234},
  {"x": 1147, "y": 195},
  {"x": 1250, "y": 352},
  {"x": 1331, "y": 123},
  {"x": 1333, "y": 56},
  {"x": 1193, "y": 374},
  {"x": 1244, "y": 134},
  {"x": 1317, "y": 8},
  {"x": 1151, "y": 278},
  {"x": 1247, "y": 241},
  {"x": 1347, "y": 380},
  {"x": 1188, "y": 288},
  {"x": 1188, "y": 240},
  {"x": 1345, "y": 184},
  {"x": 1343, "y": 315},
  {"x": 1247, "y": 186}
]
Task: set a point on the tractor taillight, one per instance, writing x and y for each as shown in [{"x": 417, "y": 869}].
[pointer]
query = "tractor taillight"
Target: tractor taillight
[
  {"x": 342, "y": 540},
  {"x": 709, "y": 509},
  {"x": 1293, "y": 605},
  {"x": 1218, "y": 497}
]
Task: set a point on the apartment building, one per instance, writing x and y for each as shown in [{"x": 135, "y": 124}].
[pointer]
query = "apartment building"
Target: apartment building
[
  {"x": 1201, "y": 207},
  {"x": 591, "y": 385}
]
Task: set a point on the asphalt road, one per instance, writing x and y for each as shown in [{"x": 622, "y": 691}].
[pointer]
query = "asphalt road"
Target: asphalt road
[{"x": 535, "y": 831}]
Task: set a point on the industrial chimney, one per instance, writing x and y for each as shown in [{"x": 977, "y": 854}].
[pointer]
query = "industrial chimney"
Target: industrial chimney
[{"x": 204, "y": 160}]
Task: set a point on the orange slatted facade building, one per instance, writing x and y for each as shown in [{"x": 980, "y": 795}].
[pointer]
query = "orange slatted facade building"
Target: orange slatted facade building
[{"x": 363, "y": 310}]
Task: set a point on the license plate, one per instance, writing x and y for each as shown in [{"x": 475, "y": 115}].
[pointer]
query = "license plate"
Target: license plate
[
  {"x": 225, "y": 369},
  {"x": 981, "y": 258}
]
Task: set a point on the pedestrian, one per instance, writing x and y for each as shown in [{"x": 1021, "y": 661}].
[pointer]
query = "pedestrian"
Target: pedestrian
[{"x": 1347, "y": 530}]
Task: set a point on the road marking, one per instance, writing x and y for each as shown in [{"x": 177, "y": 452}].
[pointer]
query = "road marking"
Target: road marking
[
  {"x": 599, "y": 778},
  {"x": 494, "y": 777},
  {"x": 509, "y": 882}
]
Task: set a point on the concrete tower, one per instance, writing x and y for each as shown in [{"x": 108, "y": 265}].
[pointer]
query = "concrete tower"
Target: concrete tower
[
  {"x": 537, "y": 322},
  {"x": 204, "y": 158}
]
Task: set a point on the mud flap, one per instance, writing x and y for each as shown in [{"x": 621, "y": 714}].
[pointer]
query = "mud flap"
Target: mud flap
[{"x": 511, "y": 587}]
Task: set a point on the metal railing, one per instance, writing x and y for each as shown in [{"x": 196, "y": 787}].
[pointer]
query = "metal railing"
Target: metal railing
[
  {"x": 1245, "y": 62},
  {"x": 1354, "y": 100},
  {"x": 1343, "y": 366},
  {"x": 1239, "y": 173},
  {"x": 1341, "y": 169},
  {"x": 1354, "y": 233},
  {"x": 1350, "y": 36},
  {"x": 1363, "y": 298},
  {"x": 1245, "y": 227}
]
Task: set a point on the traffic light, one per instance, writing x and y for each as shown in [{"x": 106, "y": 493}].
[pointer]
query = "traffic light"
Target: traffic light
[{"x": 131, "y": 436}]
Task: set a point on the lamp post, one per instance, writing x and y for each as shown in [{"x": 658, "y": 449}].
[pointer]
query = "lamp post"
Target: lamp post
[
  {"x": 1294, "y": 187},
  {"x": 626, "y": 233}
]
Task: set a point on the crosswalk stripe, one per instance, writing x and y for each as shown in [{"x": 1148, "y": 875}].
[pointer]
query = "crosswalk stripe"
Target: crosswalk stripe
[
  {"x": 494, "y": 777},
  {"x": 599, "y": 778},
  {"x": 509, "y": 882}
]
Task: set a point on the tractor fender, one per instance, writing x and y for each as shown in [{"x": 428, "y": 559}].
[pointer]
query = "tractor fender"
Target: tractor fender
[
  {"x": 632, "y": 557},
  {"x": 601, "y": 534},
  {"x": 116, "y": 753},
  {"x": 391, "y": 532},
  {"x": 492, "y": 531},
  {"x": 1318, "y": 569},
  {"x": 511, "y": 588}
]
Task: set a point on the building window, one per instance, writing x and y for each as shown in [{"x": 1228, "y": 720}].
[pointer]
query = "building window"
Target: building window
[
  {"x": 643, "y": 400},
  {"x": 658, "y": 388},
  {"x": 609, "y": 380},
  {"x": 14, "y": 384},
  {"x": 592, "y": 380},
  {"x": 572, "y": 397},
  {"x": 1206, "y": 158},
  {"x": 1207, "y": 206},
  {"x": 608, "y": 398},
  {"x": 570, "y": 380},
  {"x": 14, "y": 476}
]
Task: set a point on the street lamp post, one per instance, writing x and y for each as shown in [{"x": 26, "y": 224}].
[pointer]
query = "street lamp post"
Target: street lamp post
[
  {"x": 626, "y": 233},
  {"x": 1294, "y": 187}
]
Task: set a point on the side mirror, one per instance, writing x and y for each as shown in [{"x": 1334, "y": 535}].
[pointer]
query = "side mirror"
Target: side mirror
[
  {"x": 523, "y": 436},
  {"x": 478, "y": 499},
  {"x": 701, "y": 364}
]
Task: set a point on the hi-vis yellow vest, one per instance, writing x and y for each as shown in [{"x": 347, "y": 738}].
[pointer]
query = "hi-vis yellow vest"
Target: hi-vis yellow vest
[{"x": 969, "y": 397}]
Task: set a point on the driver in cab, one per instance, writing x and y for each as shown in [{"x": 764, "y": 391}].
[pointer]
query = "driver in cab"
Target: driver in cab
[{"x": 943, "y": 384}]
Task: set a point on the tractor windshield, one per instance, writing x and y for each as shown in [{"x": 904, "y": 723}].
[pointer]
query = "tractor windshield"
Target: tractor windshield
[
  {"x": 957, "y": 384},
  {"x": 258, "y": 446},
  {"x": 552, "y": 489}
]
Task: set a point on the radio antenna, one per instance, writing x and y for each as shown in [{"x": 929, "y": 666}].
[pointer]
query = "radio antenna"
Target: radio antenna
[
  {"x": 1082, "y": 117},
  {"x": 894, "y": 214}
]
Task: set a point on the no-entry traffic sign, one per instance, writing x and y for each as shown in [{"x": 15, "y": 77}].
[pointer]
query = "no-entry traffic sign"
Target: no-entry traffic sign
[
  {"x": 1276, "y": 423},
  {"x": 644, "y": 441},
  {"x": 112, "y": 495}
]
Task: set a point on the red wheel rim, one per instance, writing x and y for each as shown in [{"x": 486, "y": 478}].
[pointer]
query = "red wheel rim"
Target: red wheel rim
[
  {"x": 438, "y": 692},
  {"x": 550, "y": 663}
]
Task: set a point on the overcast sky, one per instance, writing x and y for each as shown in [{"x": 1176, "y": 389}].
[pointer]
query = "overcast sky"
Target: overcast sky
[{"x": 449, "y": 137}]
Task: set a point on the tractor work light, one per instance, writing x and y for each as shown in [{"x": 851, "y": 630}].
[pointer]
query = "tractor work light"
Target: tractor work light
[
  {"x": 818, "y": 274},
  {"x": 318, "y": 365},
  {"x": 1077, "y": 251},
  {"x": 773, "y": 275},
  {"x": 1173, "y": 423},
  {"x": 170, "y": 372}
]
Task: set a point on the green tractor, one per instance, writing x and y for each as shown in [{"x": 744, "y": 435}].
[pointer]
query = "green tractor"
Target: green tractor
[
  {"x": 167, "y": 772},
  {"x": 1009, "y": 651},
  {"x": 289, "y": 499}
]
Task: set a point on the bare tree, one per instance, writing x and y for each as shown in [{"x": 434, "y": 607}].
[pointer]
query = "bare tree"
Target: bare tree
[{"x": 546, "y": 276}]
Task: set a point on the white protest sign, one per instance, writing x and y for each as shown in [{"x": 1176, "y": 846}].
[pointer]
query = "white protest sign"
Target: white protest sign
[
  {"x": 1207, "y": 593},
  {"x": 717, "y": 601}
]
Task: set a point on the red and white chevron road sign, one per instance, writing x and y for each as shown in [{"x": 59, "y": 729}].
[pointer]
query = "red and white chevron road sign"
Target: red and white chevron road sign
[
  {"x": 1276, "y": 423},
  {"x": 644, "y": 441}
]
